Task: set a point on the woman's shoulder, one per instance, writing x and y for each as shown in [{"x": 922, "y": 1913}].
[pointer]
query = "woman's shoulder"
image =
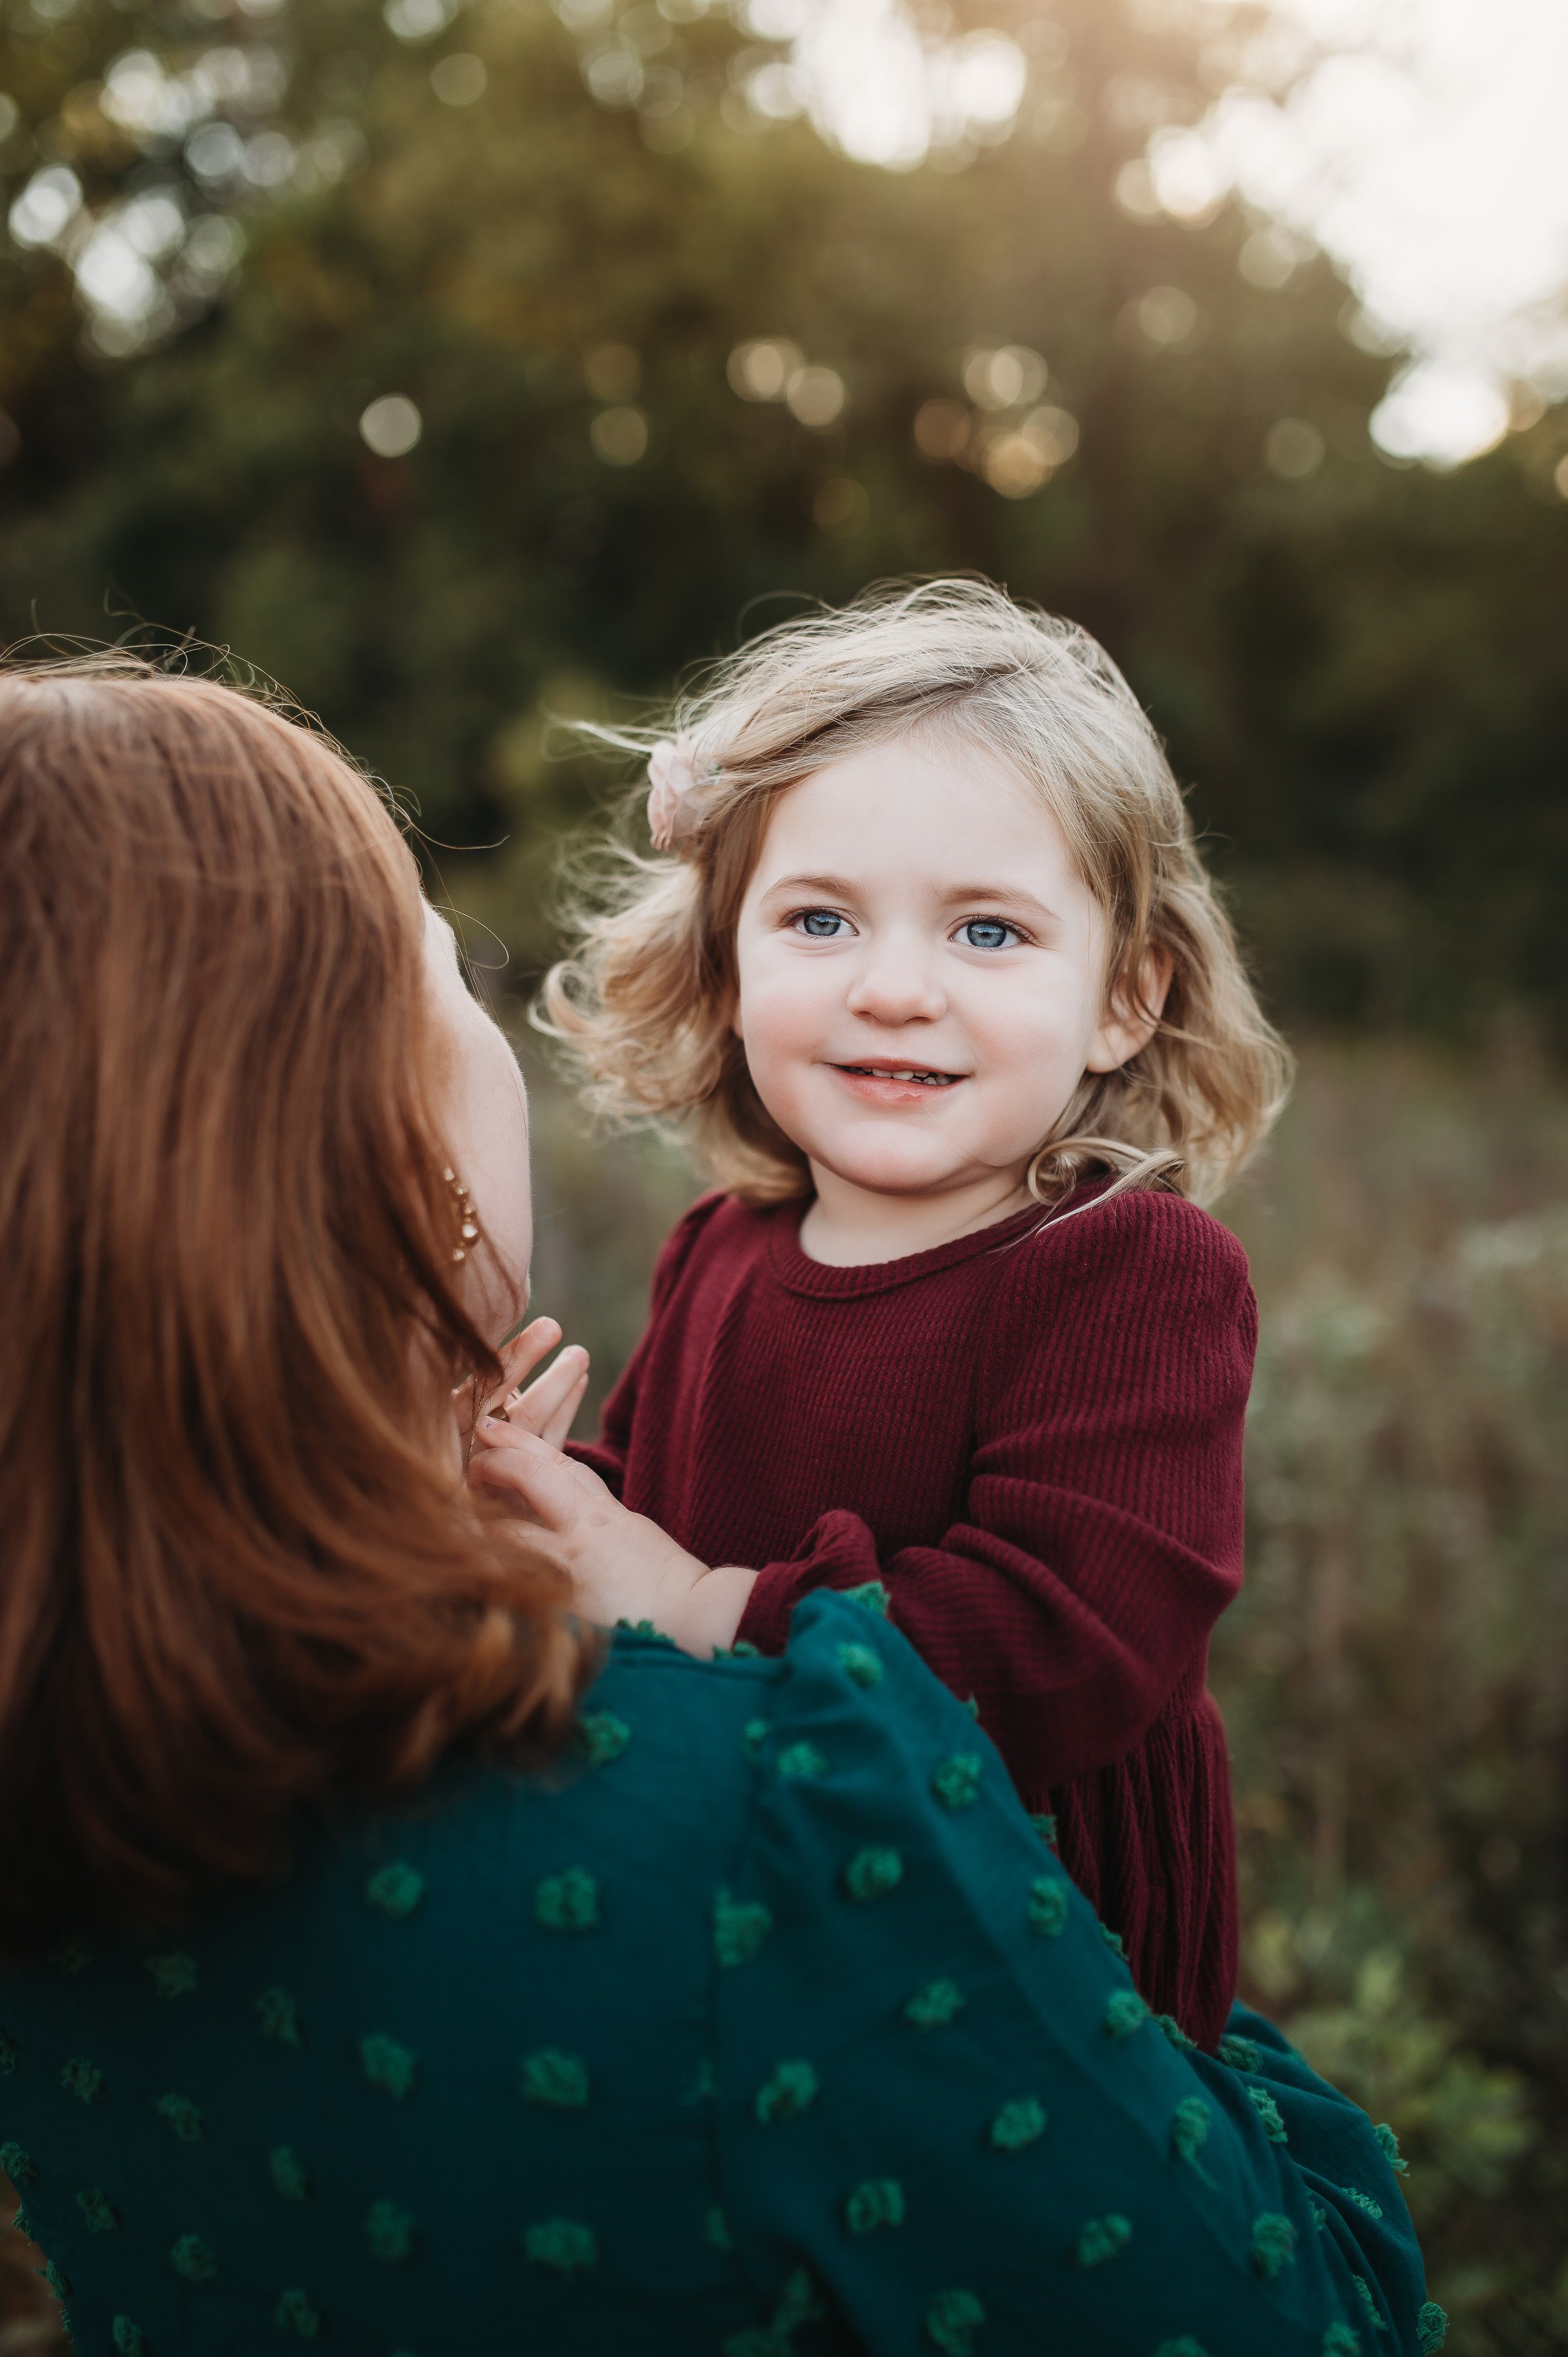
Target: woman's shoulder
[
  {"x": 464, "y": 2029},
  {"x": 485, "y": 1859}
]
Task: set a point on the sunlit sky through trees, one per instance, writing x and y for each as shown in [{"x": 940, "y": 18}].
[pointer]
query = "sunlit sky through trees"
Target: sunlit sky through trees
[{"x": 1420, "y": 141}]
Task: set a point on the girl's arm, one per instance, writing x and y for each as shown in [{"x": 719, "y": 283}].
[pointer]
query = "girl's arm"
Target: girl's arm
[
  {"x": 944, "y": 2115},
  {"x": 1101, "y": 1537}
]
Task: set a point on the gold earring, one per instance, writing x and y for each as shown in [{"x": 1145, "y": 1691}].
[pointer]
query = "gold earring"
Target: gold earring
[{"x": 467, "y": 1226}]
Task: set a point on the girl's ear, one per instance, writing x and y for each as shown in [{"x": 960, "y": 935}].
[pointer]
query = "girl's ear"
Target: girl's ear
[{"x": 1134, "y": 1011}]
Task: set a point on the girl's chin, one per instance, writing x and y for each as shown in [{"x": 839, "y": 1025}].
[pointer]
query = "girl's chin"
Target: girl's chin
[{"x": 900, "y": 1174}]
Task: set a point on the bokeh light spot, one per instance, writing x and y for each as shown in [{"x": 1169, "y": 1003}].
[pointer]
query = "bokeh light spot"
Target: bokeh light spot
[
  {"x": 419, "y": 20},
  {"x": 815, "y": 396},
  {"x": 776, "y": 91},
  {"x": 459, "y": 80},
  {"x": 46, "y": 206},
  {"x": 1187, "y": 177},
  {"x": 1051, "y": 434},
  {"x": 983, "y": 80},
  {"x": 392, "y": 425},
  {"x": 619, "y": 436},
  {"x": 1270, "y": 257},
  {"x": 1133, "y": 188},
  {"x": 613, "y": 75},
  {"x": 1005, "y": 378},
  {"x": 269, "y": 159},
  {"x": 1443, "y": 413},
  {"x": 761, "y": 370},
  {"x": 774, "y": 20},
  {"x": 216, "y": 152},
  {"x": 1013, "y": 465},
  {"x": 1293, "y": 448},
  {"x": 1166, "y": 320}
]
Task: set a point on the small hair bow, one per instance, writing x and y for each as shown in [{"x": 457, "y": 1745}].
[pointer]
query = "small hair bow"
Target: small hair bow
[{"x": 671, "y": 778}]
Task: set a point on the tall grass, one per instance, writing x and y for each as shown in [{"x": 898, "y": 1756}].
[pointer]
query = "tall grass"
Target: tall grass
[{"x": 1395, "y": 1678}]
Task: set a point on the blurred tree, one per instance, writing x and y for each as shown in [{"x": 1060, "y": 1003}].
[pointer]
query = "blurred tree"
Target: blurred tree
[{"x": 549, "y": 232}]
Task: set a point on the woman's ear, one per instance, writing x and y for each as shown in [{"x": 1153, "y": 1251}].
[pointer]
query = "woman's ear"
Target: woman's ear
[{"x": 1134, "y": 1011}]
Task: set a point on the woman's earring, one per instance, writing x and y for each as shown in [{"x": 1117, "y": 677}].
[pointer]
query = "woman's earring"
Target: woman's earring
[{"x": 467, "y": 1226}]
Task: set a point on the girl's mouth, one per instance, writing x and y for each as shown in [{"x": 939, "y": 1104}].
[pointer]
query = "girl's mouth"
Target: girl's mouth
[{"x": 921, "y": 1076}]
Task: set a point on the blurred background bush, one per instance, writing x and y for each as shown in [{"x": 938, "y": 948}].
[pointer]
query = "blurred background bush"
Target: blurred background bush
[{"x": 466, "y": 366}]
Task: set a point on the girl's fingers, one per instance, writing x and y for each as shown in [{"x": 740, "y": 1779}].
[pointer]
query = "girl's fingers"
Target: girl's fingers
[
  {"x": 551, "y": 1486},
  {"x": 561, "y": 1423},
  {"x": 520, "y": 1356},
  {"x": 537, "y": 1408}
]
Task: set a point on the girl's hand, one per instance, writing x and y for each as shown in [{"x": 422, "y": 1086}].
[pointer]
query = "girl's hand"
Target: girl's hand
[
  {"x": 624, "y": 1567},
  {"x": 549, "y": 1405}
]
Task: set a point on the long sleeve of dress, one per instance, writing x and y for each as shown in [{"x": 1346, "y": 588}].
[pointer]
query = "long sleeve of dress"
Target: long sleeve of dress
[
  {"x": 945, "y": 2117},
  {"x": 1100, "y": 1536}
]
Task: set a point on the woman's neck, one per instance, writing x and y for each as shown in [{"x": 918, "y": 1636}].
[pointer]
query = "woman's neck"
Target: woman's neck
[{"x": 849, "y": 1227}]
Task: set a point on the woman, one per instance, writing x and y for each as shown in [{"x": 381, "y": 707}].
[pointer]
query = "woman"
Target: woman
[{"x": 391, "y": 1959}]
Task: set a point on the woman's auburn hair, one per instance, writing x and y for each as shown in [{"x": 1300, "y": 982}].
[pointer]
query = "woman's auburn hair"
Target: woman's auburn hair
[
  {"x": 644, "y": 1006},
  {"x": 241, "y": 1575}
]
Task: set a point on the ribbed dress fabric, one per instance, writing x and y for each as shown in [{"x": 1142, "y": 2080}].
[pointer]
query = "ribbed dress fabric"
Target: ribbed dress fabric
[{"x": 1032, "y": 1436}]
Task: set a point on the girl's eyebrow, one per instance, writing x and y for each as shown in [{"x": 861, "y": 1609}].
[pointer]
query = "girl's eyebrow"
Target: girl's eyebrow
[
  {"x": 837, "y": 887},
  {"x": 1010, "y": 896}
]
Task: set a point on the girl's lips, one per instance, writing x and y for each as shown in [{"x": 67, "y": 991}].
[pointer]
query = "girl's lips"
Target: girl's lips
[{"x": 902, "y": 1084}]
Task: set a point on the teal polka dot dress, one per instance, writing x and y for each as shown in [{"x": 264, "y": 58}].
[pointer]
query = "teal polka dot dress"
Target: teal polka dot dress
[{"x": 760, "y": 2026}]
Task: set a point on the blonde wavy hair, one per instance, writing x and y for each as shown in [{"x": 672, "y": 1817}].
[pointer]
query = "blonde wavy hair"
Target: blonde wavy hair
[{"x": 643, "y": 1006}]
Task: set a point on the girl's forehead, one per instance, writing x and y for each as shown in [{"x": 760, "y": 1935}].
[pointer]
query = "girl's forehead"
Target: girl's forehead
[{"x": 918, "y": 790}]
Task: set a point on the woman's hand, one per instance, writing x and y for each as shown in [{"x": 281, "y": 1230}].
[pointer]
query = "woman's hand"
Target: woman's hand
[
  {"x": 624, "y": 1567},
  {"x": 549, "y": 1405}
]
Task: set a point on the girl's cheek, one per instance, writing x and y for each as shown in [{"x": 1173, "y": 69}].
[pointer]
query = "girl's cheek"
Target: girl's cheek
[{"x": 780, "y": 1013}]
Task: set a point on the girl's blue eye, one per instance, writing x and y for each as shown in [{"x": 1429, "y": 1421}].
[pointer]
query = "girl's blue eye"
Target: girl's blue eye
[
  {"x": 987, "y": 933},
  {"x": 820, "y": 924}
]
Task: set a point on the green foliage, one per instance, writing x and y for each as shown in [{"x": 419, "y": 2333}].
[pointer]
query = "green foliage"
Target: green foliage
[{"x": 1357, "y": 669}]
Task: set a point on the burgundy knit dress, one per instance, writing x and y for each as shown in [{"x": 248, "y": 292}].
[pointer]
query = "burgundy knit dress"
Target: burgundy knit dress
[{"x": 1033, "y": 1438}]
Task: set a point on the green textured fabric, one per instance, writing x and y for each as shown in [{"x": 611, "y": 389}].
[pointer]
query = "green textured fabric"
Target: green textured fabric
[{"x": 670, "y": 2052}]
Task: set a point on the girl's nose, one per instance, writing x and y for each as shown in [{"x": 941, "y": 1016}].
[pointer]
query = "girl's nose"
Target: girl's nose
[{"x": 895, "y": 984}]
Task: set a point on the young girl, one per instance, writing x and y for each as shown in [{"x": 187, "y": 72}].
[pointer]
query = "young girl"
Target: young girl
[{"x": 930, "y": 959}]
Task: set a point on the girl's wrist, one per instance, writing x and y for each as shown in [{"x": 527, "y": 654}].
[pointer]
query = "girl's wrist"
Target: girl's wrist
[{"x": 712, "y": 1609}]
